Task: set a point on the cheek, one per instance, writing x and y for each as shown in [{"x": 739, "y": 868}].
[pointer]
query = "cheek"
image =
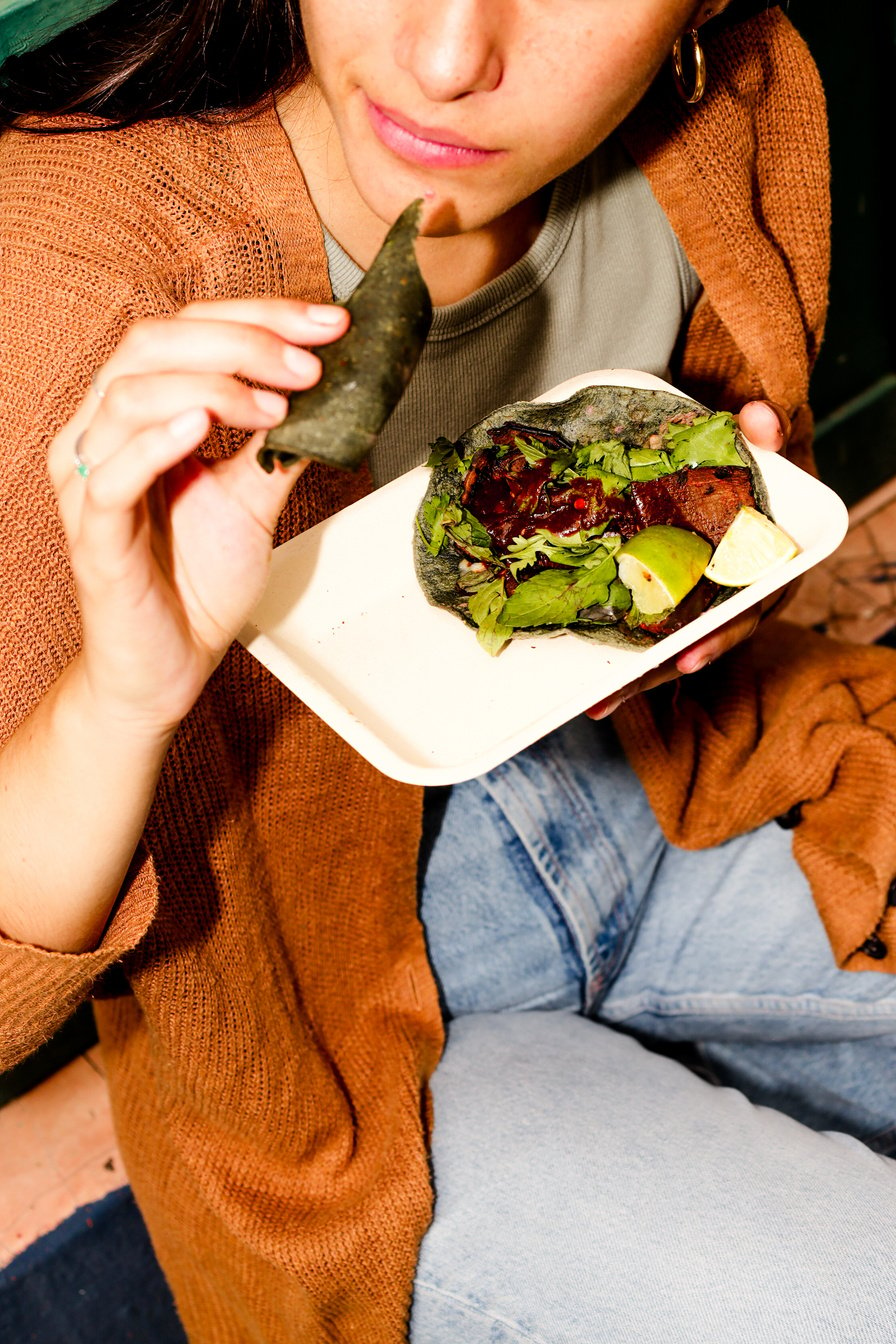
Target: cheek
[
  {"x": 336, "y": 34},
  {"x": 584, "y": 90}
]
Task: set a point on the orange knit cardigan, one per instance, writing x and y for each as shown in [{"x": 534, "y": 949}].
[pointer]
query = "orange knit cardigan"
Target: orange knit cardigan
[{"x": 263, "y": 996}]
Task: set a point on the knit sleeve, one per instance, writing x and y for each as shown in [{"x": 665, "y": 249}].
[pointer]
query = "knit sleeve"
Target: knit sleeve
[
  {"x": 66, "y": 297},
  {"x": 39, "y": 990}
]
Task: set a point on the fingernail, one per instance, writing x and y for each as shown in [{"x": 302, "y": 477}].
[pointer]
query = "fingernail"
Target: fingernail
[
  {"x": 296, "y": 359},
  {"x": 326, "y": 314},
  {"x": 271, "y": 404},
  {"x": 188, "y": 425},
  {"x": 764, "y": 412}
]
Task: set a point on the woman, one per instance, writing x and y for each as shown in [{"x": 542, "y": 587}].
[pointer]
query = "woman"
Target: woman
[{"x": 184, "y": 841}]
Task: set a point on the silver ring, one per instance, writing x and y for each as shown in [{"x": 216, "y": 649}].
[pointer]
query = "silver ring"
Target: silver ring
[
  {"x": 82, "y": 466},
  {"x": 100, "y": 391}
]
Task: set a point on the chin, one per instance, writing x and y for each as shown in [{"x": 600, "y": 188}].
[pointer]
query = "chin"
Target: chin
[{"x": 446, "y": 212}]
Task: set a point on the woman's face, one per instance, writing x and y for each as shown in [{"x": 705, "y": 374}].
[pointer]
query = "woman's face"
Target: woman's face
[{"x": 477, "y": 104}]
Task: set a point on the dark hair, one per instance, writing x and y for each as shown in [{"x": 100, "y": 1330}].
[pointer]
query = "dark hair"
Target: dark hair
[{"x": 142, "y": 59}]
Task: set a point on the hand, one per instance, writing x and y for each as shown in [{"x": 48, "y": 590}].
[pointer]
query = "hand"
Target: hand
[
  {"x": 169, "y": 553},
  {"x": 767, "y": 428}
]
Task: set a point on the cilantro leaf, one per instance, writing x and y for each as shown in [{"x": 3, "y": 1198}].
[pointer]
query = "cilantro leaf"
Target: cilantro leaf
[
  {"x": 584, "y": 548},
  {"x": 434, "y": 511},
  {"x": 443, "y": 453}
]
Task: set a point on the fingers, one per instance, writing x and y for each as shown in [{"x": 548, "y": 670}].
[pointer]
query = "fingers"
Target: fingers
[
  {"x": 134, "y": 403},
  {"x": 104, "y": 523},
  {"x": 293, "y": 319},
  {"x": 604, "y": 708},
  {"x": 765, "y": 425},
  {"x": 112, "y": 492},
  {"x": 262, "y": 494},
  {"x": 165, "y": 366},
  {"x": 719, "y": 642},
  {"x": 692, "y": 660},
  {"x": 257, "y": 339}
]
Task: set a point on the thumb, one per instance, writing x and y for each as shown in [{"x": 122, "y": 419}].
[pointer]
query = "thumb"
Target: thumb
[
  {"x": 764, "y": 425},
  {"x": 263, "y": 494}
]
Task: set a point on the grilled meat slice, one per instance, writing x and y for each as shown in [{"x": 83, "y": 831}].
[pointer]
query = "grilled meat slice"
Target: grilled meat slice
[
  {"x": 580, "y": 504},
  {"x": 512, "y": 497},
  {"x": 502, "y": 492},
  {"x": 703, "y": 499}
]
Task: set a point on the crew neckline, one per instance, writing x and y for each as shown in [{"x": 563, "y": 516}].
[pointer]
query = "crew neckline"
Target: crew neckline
[{"x": 513, "y": 286}]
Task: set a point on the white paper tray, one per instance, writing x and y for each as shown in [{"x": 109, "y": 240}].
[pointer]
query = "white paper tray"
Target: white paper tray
[{"x": 344, "y": 624}]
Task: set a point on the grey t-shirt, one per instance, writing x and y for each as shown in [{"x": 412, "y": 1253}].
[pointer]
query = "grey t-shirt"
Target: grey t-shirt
[{"x": 606, "y": 284}]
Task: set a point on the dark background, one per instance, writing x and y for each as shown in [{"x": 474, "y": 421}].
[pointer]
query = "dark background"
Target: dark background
[{"x": 854, "y": 386}]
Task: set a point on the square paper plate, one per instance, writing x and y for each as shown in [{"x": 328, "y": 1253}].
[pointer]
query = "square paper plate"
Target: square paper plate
[{"x": 407, "y": 684}]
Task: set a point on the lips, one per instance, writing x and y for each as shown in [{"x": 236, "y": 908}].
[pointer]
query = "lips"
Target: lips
[{"x": 429, "y": 146}]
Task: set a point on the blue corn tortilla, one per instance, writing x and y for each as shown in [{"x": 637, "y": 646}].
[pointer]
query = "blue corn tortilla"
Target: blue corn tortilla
[{"x": 367, "y": 370}]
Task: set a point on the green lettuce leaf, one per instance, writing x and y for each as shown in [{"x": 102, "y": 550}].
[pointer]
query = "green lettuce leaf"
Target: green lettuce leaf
[
  {"x": 612, "y": 484},
  {"x": 463, "y": 528},
  {"x": 610, "y": 455},
  {"x": 708, "y": 442},
  {"x": 485, "y": 605},
  {"x": 649, "y": 463},
  {"x": 447, "y": 520},
  {"x": 533, "y": 451},
  {"x": 556, "y": 596}
]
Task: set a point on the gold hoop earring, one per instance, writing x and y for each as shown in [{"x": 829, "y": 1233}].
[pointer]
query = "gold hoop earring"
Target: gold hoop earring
[{"x": 694, "y": 94}]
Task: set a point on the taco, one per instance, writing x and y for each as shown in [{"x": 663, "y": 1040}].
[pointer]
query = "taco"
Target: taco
[
  {"x": 364, "y": 373},
  {"x": 596, "y": 515}
]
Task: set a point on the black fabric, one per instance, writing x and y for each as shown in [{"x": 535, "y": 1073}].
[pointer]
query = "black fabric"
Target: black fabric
[
  {"x": 94, "y": 1280},
  {"x": 78, "y": 1035}
]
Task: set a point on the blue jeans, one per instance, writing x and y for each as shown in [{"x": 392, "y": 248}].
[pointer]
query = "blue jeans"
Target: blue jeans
[{"x": 591, "y": 1190}]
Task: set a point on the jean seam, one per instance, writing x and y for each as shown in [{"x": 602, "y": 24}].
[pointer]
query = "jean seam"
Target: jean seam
[
  {"x": 474, "y": 1310},
  {"x": 549, "y": 867},
  {"x": 802, "y": 1005}
]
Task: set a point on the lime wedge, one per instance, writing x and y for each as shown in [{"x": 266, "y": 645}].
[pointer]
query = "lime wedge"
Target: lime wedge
[
  {"x": 752, "y": 546},
  {"x": 660, "y": 565}
]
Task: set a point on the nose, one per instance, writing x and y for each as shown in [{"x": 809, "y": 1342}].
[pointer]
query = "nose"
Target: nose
[{"x": 451, "y": 47}]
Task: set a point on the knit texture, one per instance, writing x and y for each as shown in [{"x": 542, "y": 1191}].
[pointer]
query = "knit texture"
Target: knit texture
[
  {"x": 263, "y": 997},
  {"x": 793, "y": 726},
  {"x": 267, "y": 1072}
]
